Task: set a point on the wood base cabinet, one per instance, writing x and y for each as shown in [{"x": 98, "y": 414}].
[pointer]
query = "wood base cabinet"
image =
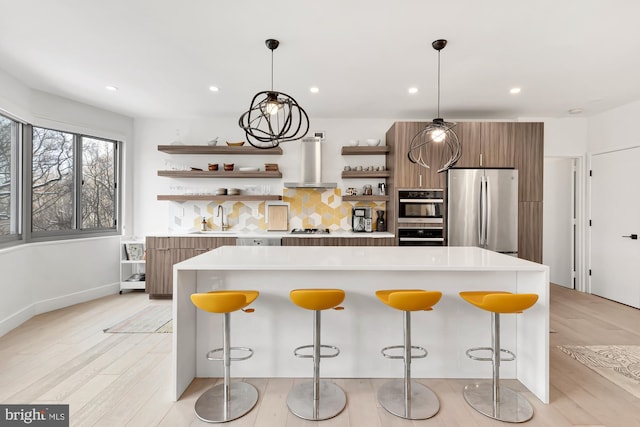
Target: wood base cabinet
[{"x": 164, "y": 252}]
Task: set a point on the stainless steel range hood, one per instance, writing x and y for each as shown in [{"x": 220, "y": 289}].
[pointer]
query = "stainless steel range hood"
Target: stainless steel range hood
[{"x": 311, "y": 166}]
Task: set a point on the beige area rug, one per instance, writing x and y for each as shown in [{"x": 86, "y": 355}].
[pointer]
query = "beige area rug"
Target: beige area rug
[
  {"x": 152, "y": 319},
  {"x": 620, "y": 364}
]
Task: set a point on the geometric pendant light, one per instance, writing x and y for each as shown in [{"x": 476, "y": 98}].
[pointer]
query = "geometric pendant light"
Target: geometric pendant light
[
  {"x": 438, "y": 132},
  {"x": 273, "y": 117}
]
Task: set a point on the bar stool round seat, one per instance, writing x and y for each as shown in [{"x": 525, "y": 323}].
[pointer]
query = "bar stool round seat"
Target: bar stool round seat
[
  {"x": 318, "y": 399},
  {"x": 406, "y": 398},
  {"x": 227, "y": 401},
  {"x": 490, "y": 398}
]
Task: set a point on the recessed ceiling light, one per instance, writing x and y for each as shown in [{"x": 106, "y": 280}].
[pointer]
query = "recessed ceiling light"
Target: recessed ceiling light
[
  {"x": 213, "y": 88},
  {"x": 576, "y": 111},
  {"x": 314, "y": 89},
  {"x": 111, "y": 88},
  {"x": 514, "y": 90},
  {"x": 413, "y": 90}
]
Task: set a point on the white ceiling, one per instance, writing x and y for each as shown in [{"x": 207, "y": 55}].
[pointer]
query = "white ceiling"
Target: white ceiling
[{"x": 362, "y": 54}]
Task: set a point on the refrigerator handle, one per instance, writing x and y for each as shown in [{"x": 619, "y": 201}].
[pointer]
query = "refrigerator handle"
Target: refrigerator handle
[
  {"x": 481, "y": 212},
  {"x": 487, "y": 215}
]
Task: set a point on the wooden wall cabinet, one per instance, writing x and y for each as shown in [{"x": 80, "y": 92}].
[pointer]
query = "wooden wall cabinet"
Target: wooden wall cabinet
[
  {"x": 338, "y": 241},
  {"x": 486, "y": 144},
  {"x": 528, "y": 140},
  {"x": 164, "y": 252}
]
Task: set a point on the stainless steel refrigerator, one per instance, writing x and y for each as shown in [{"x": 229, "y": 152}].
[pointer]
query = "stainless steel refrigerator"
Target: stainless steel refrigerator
[{"x": 482, "y": 209}]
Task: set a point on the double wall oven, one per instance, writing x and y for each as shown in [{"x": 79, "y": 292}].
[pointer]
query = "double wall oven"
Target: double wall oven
[{"x": 420, "y": 217}]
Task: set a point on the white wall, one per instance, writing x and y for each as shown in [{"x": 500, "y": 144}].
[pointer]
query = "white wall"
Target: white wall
[
  {"x": 46, "y": 276},
  {"x": 614, "y": 129},
  {"x": 152, "y": 215},
  {"x": 41, "y": 277}
]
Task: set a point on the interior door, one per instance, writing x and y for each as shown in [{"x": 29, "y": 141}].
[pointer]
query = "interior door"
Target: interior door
[{"x": 615, "y": 221}]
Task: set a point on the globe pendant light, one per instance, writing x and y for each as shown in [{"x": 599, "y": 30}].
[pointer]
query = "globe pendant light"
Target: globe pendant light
[
  {"x": 273, "y": 117},
  {"x": 438, "y": 132}
]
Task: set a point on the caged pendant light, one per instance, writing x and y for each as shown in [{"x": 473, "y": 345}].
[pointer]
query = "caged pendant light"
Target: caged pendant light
[
  {"x": 273, "y": 117},
  {"x": 438, "y": 132}
]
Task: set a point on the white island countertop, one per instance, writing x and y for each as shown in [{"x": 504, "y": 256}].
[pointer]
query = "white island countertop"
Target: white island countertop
[
  {"x": 403, "y": 258},
  {"x": 365, "y": 325}
]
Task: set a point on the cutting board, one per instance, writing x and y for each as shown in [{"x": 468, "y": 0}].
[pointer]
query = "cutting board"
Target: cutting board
[{"x": 278, "y": 217}]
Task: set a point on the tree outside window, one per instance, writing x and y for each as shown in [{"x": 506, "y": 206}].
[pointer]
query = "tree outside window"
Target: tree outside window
[
  {"x": 8, "y": 180},
  {"x": 52, "y": 180},
  {"x": 98, "y": 183},
  {"x": 66, "y": 199}
]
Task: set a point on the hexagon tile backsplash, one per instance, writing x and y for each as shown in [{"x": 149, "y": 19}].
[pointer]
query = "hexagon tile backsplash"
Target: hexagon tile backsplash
[{"x": 308, "y": 208}]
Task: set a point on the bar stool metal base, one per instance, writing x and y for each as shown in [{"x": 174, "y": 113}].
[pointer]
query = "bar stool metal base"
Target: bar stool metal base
[
  {"x": 512, "y": 407},
  {"x": 331, "y": 402},
  {"x": 211, "y": 408},
  {"x": 423, "y": 403}
]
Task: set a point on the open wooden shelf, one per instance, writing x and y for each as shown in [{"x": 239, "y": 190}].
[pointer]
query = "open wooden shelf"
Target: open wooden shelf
[
  {"x": 205, "y": 197},
  {"x": 218, "y": 149},
  {"x": 365, "y": 150},
  {"x": 366, "y": 174},
  {"x": 362, "y": 198},
  {"x": 220, "y": 174}
]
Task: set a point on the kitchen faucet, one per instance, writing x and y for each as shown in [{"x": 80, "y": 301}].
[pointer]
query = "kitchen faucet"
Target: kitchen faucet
[{"x": 221, "y": 215}]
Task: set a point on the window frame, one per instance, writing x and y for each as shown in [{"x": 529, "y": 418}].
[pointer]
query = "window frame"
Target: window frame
[
  {"x": 76, "y": 231},
  {"x": 17, "y": 182}
]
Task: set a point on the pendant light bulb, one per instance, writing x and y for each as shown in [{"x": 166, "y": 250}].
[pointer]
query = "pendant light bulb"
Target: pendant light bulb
[{"x": 438, "y": 135}]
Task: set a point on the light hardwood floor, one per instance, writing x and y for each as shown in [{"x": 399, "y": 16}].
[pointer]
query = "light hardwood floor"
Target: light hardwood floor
[{"x": 123, "y": 379}]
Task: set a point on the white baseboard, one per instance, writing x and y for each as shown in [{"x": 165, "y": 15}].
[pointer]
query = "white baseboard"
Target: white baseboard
[{"x": 39, "y": 307}]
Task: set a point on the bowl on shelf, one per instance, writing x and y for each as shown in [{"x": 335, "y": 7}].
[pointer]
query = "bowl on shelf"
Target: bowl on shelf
[
  {"x": 235, "y": 144},
  {"x": 354, "y": 142},
  {"x": 221, "y": 192},
  {"x": 212, "y": 142},
  {"x": 228, "y": 166},
  {"x": 213, "y": 166},
  {"x": 234, "y": 191},
  {"x": 373, "y": 142},
  {"x": 248, "y": 169}
]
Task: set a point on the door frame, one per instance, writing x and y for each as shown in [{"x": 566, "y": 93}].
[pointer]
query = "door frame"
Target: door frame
[
  {"x": 589, "y": 205},
  {"x": 577, "y": 217},
  {"x": 580, "y": 245}
]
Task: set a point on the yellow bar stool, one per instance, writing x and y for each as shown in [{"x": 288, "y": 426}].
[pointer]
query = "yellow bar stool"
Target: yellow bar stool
[
  {"x": 405, "y": 398},
  {"x": 227, "y": 401},
  {"x": 490, "y": 399},
  {"x": 318, "y": 399}
]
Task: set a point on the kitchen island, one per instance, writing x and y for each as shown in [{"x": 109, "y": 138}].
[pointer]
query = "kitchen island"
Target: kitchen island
[{"x": 366, "y": 325}]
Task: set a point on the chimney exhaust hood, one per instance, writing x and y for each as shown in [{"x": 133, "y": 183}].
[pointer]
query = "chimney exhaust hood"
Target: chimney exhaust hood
[{"x": 311, "y": 166}]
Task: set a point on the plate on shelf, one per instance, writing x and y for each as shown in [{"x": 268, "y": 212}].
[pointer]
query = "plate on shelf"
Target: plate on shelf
[{"x": 248, "y": 169}]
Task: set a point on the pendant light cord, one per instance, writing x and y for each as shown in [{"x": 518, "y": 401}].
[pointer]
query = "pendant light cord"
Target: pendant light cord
[
  {"x": 438, "y": 83},
  {"x": 272, "y": 70}
]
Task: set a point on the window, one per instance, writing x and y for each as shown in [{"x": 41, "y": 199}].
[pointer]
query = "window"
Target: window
[
  {"x": 9, "y": 181},
  {"x": 73, "y": 185},
  {"x": 98, "y": 183},
  {"x": 52, "y": 183}
]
